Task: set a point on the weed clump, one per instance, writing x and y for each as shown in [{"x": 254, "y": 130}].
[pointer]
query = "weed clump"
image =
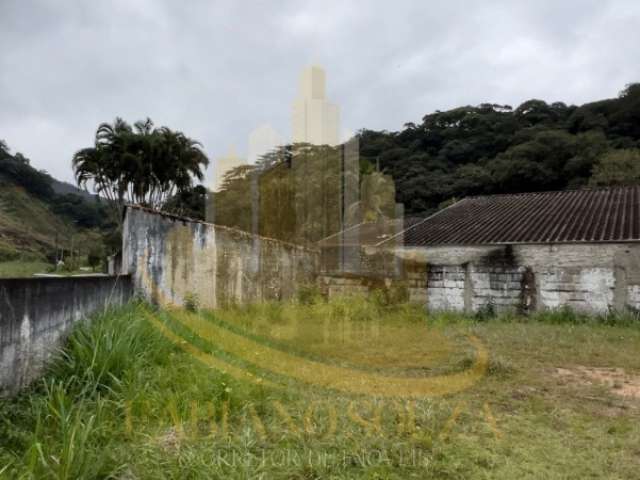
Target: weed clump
[
  {"x": 486, "y": 312},
  {"x": 309, "y": 295},
  {"x": 569, "y": 316},
  {"x": 191, "y": 302}
]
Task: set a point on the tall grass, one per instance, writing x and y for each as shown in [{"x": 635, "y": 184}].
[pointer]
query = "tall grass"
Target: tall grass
[
  {"x": 74, "y": 423},
  {"x": 566, "y": 315},
  {"x": 62, "y": 427},
  {"x": 569, "y": 316},
  {"x": 101, "y": 356}
]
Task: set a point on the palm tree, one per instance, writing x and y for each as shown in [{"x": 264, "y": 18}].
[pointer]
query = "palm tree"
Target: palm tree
[{"x": 140, "y": 165}]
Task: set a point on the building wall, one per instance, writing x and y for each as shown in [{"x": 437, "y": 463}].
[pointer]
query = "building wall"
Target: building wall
[
  {"x": 361, "y": 270},
  {"x": 170, "y": 258},
  {"x": 36, "y": 314},
  {"x": 410, "y": 285},
  {"x": 585, "y": 277}
]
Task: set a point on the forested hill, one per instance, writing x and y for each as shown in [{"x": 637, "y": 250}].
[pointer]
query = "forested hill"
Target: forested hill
[
  {"x": 492, "y": 148},
  {"x": 39, "y": 213}
]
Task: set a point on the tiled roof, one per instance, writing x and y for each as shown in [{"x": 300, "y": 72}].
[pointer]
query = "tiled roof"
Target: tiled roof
[{"x": 593, "y": 215}]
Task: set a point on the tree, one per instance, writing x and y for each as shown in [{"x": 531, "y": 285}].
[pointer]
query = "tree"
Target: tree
[
  {"x": 190, "y": 203},
  {"x": 95, "y": 256},
  {"x": 19, "y": 169},
  {"x": 377, "y": 200},
  {"x": 141, "y": 165},
  {"x": 617, "y": 167}
]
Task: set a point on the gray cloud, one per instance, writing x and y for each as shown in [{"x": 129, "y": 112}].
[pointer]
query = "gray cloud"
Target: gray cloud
[{"x": 216, "y": 70}]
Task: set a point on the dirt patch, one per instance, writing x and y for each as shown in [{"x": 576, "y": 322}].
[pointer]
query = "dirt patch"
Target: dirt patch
[{"x": 620, "y": 382}]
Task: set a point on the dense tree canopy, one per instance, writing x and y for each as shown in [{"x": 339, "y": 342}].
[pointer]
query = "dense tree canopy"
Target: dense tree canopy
[
  {"x": 85, "y": 212},
  {"x": 292, "y": 193},
  {"x": 465, "y": 151},
  {"x": 617, "y": 167},
  {"x": 496, "y": 149},
  {"x": 470, "y": 150}
]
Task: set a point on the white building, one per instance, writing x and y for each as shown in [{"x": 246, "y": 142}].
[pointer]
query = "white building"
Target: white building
[{"x": 315, "y": 120}]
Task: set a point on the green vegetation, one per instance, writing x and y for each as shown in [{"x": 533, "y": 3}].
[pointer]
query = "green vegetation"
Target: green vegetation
[
  {"x": 21, "y": 268},
  {"x": 42, "y": 219},
  {"x": 66, "y": 201},
  {"x": 31, "y": 233},
  {"x": 490, "y": 148},
  {"x": 470, "y": 150},
  {"x": 38, "y": 225},
  {"x": 618, "y": 167},
  {"x": 123, "y": 401},
  {"x": 139, "y": 165}
]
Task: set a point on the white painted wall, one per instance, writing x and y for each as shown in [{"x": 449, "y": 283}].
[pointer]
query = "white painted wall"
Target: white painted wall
[{"x": 586, "y": 277}]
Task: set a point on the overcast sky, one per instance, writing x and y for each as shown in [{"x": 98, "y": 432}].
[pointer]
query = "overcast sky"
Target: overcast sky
[{"x": 216, "y": 70}]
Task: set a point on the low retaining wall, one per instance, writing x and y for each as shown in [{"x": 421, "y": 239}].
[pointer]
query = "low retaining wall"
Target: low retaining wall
[{"x": 37, "y": 313}]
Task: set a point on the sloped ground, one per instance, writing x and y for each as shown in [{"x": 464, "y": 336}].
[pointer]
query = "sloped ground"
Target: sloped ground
[{"x": 28, "y": 229}]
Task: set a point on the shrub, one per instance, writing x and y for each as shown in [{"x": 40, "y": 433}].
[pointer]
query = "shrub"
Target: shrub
[
  {"x": 486, "y": 311},
  {"x": 309, "y": 294},
  {"x": 192, "y": 302}
]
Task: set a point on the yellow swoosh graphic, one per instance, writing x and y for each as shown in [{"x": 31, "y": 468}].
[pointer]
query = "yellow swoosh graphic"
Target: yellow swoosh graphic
[
  {"x": 330, "y": 376},
  {"x": 207, "y": 359},
  {"x": 308, "y": 371}
]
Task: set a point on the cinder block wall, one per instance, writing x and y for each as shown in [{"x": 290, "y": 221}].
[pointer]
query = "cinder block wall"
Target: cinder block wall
[
  {"x": 411, "y": 285},
  {"x": 36, "y": 314},
  {"x": 171, "y": 258},
  {"x": 587, "y": 277},
  {"x": 377, "y": 269}
]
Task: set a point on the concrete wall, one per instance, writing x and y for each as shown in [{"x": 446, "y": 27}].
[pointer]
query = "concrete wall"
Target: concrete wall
[
  {"x": 37, "y": 313},
  {"x": 171, "y": 258},
  {"x": 360, "y": 260},
  {"x": 411, "y": 287},
  {"x": 379, "y": 270},
  {"x": 585, "y": 277}
]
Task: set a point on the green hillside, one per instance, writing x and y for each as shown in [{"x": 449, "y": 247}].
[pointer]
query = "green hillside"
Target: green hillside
[
  {"x": 42, "y": 219},
  {"x": 29, "y": 229}
]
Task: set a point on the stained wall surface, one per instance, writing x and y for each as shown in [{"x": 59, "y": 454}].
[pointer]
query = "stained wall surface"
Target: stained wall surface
[
  {"x": 590, "y": 277},
  {"x": 172, "y": 259},
  {"x": 36, "y": 314}
]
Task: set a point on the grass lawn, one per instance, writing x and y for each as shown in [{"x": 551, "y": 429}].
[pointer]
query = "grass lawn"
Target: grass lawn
[
  {"x": 19, "y": 269},
  {"x": 344, "y": 389},
  {"x": 22, "y": 269}
]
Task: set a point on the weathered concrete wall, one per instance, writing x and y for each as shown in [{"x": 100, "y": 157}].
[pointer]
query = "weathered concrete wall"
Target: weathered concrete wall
[
  {"x": 37, "y": 313},
  {"x": 378, "y": 270},
  {"x": 171, "y": 258},
  {"x": 586, "y": 277},
  {"x": 412, "y": 286},
  {"x": 360, "y": 260}
]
